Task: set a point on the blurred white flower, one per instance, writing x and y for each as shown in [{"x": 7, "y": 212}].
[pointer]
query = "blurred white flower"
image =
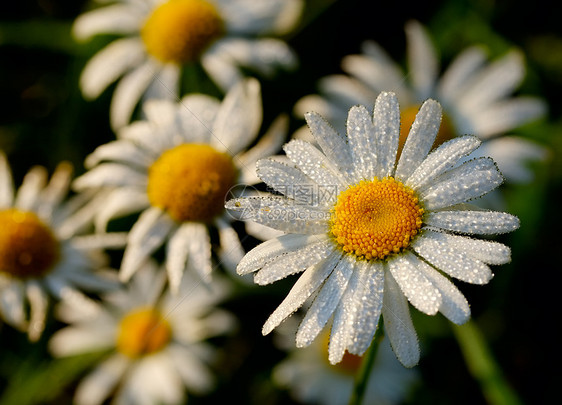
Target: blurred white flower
[
  {"x": 156, "y": 341},
  {"x": 372, "y": 233},
  {"x": 475, "y": 95},
  {"x": 163, "y": 36},
  {"x": 311, "y": 379},
  {"x": 41, "y": 251},
  {"x": 177, "y": 167}
]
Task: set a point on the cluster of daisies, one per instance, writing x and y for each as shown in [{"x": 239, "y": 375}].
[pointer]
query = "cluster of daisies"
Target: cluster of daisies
[{"x": 371, "y": 204}]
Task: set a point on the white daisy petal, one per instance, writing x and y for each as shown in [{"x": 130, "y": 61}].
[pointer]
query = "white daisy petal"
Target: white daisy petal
[
  {"x": 273, "y": 248},
  {"x": 360, "y": 132},
  {"x": 30, "y": 189},
  {"x": 461, "y": 69},
  {"x": 420, "y": 139},
  {"x": 148, "y": 233},
  {"x": 290, "y": 181},
  {"x": 79, "y": 339},
  {"x": 113, "y": 19},
  {"x": 292, "y": 262},
  {"x": 196, "y": 114},
  {"x": 305, "y": 286},
  {"x": 313, "y": 163},
  {"x": 12, "y": 304},
  {"x": 6, "y": 183},
  {"x": 386, "y": 120},
  {"x": 109, "y": 64},
  {"x": 110, "y": 174},
  {"x": 119, "y": 151},
  {"x": 333, "y": 145},
  {"x": 484, "y": 250},
  {"x": 344, "y": 91},
  {"x": 325, "y": 302},
  {"x": 129, "y": 91},
  {"x": 166, "y": 84},
  {"x": 193, "y": 373},
  {"x": 55, "y": 191},
  {"x": 453, "y": 304},
  {"x": 221, "y": 68},
  {"x": 473, "y": 222},
  {"x": 442, "y": 159},
  {"x": 471, "y": 180},
  {"x": 38, "y": 303},
  {"x": 422, "y": 60},
  {"x": 177, "y": 253},
  {"x": 120, "y": 202},
  {"x": 99, "y": 384},
  {"x": 200, "y": 250},
  {"x": 414, "y": 284},
  {"x": 452, "y": 261},
  {"x": 276, "y": 211},
  {"x": 231, "y": 250},
  {"x": 239, "y": 118},
  {"x": 398, "y": 323}
]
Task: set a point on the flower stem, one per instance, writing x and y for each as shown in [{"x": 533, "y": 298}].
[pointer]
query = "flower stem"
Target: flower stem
[
  {"x": 366, "y": 367},
  {"x": 483, "y": 367}
]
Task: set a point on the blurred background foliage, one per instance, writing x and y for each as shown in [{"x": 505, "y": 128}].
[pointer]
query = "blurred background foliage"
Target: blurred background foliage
[{"x": 44, "y": 119}]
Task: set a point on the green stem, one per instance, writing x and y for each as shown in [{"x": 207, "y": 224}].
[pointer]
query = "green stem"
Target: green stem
[
  {"x": 366, "y": 367},
  {"x": 483, "y": 367}
]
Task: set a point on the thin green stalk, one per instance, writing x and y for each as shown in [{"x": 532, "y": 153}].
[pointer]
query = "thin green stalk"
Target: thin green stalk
[
  {"x": 366, "y": 367},
  {"x": 483, "y": 367}
]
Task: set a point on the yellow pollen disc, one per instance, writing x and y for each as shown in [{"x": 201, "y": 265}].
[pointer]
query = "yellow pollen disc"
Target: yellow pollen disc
[
  {"x": 178, "y": 31},
  {"x": 374, "y": 219},
  {"x": 28, "y": 248},
  {"x": 190, "y": 182},
  {"x": 143, "y": 332},
  {"x": 446, "y": 130}
]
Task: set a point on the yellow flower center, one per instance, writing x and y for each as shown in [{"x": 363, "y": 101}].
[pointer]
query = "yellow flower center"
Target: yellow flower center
[
  {"x": 190, "y": 182},
  {"x": 446, "y": 130},
  {"x": 178, "y": 31},
  {"x": 28, "y": 248},
  {"x": 374, "y": 219},
  {"x": 142, "y": 332}
]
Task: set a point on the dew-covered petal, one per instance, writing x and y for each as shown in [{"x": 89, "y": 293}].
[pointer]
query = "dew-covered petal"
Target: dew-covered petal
[
  {"x": 398, "y": 323},
  {"x": 454, "y": 305},
  {"x": 442, "y": 159},
  {"x": 386, "y": 121},
  {"x": 109, "y": 64},
  {"x": 268, "y": 251},
  {"x": 313, "y": 163},
  {"x": 362, "y": 143},
  {"x": 282, "y": 214},
  {"x": 295, "y": 262},
  {"x": 239, "y": 118},
  {"x": 325, "y": 302},
  {"x": 112, "y": 175},
  {"x": 306, "y": 285},
  {"x": 289, "y": 180},
  {"x": 147, "y": 234},
  {"x": 473, "y": 222},
  {"x": 422, "y": 60},
  {"x": 333, "y": 145},
  {"x": 486, "y": 251},
  {"x": 414, "y": 284},
  {"x": 100, "y": 383},
  {"x": 452, "y": 261},
  {"x": 471, "y": 180},
  {"x": 129, "y": 91},
  {"x": 420, "y": 139}
]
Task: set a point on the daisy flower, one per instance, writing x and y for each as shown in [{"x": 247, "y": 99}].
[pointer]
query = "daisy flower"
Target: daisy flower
[
  {"x": 177, "y": 167},
  {"x": 41, "y": 252},
  {"x": 371, "y": 234},
  {"x": 311, "y": 379},
  {"x": 475, "y": 96},
  {"x": 155, "y": 341},
  {"x": 163, "y": 36}
]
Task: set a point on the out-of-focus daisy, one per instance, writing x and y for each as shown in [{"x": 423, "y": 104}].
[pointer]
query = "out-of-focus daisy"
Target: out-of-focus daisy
[
  {"x": 156, "y": 341},
  {"x": 311, "y": 379},
  {"x": 475, "y": 95},
  {"x": 371, "y": 234},
  {"x": 41, "y": 252},
  {"x": 162, "y": 36},
  {"x": 177, "y": 168}
]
